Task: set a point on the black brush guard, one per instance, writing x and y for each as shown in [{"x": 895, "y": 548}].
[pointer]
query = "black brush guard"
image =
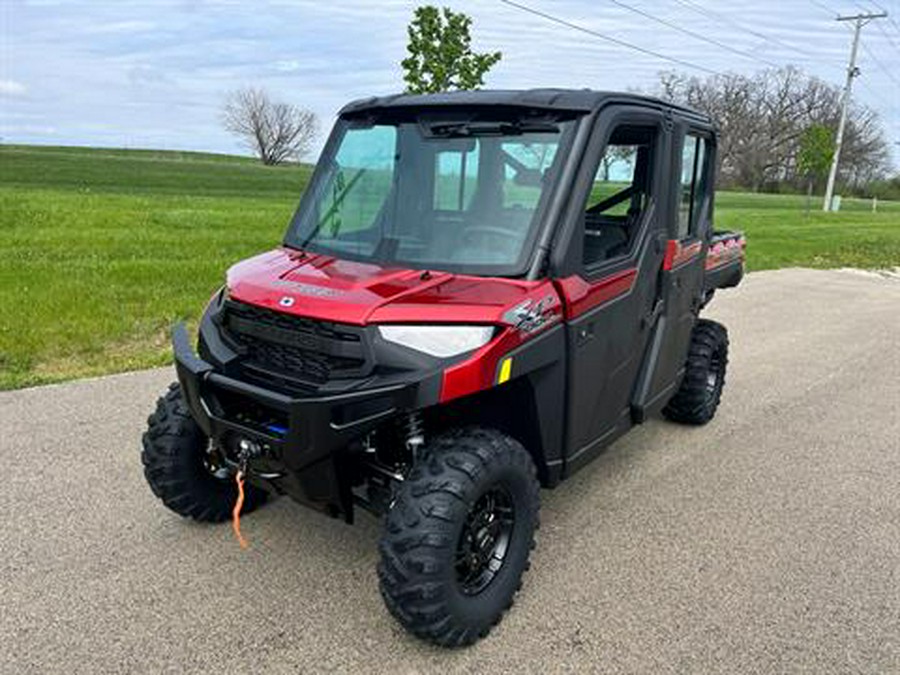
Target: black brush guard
[{"x": 303, "y": 440}]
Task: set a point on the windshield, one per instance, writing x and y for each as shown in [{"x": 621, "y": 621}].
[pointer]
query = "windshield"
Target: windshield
[{"x": 456, "y": 196}]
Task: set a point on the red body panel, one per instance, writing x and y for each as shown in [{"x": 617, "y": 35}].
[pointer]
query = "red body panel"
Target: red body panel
[
  {"x": 580, "y": 295},
  {"x": 330, "y": 289},
  {"x": 678, "y": 254},
  {"x": 479, "y": 371},
  {"x": 571, "y": 297}
]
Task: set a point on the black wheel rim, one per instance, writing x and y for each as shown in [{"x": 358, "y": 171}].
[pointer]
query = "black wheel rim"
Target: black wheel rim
[{"x": 484, "y": 540}]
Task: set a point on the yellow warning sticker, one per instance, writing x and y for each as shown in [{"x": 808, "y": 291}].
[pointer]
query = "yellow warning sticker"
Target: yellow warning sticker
[{"x": 505, "y": 370}]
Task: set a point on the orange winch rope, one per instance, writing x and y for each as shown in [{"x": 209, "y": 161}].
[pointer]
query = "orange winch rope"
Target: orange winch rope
[{"x": 236, "y": 513}]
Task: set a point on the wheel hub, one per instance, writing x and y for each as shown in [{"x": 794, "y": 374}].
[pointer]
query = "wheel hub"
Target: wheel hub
[{"x": 484, "y": 540}]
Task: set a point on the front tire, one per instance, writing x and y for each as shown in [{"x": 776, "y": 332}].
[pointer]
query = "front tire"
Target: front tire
[
  {"x": 457, "y": 539},
  {"x": 181, "y": 467},
  {"x": 698, "y": 397}
]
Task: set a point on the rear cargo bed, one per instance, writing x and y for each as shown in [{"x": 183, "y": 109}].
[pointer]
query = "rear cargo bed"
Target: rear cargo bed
[{"x": 725, "y": 260}]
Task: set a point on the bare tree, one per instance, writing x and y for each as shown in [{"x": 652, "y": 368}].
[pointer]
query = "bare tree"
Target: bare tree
[
  {"x": 762, "y": 119},
  {"x": 275, "y": 131}
]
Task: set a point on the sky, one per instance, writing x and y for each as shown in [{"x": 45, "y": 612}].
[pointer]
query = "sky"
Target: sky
[{"x": 155, "y": 73}]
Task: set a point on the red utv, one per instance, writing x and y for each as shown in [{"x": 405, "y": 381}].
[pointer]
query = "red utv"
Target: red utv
[{"x": 478, "y": 293}]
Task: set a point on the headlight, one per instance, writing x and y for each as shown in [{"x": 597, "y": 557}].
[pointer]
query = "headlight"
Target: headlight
[{"x": 440, "y": 341}]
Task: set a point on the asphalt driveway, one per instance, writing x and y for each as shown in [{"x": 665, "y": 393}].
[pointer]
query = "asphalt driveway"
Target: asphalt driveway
[{"x": 766, "y": 541}]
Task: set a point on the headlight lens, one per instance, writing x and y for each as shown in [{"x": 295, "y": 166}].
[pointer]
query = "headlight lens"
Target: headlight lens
[{"x": 440, "y": 341}]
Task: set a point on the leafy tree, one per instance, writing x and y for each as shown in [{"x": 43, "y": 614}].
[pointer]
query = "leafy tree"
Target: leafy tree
[
  {"x": 814, "y": 155},
  {"x": 440, "y": 54},
  {"x": 816, "y": 151}
]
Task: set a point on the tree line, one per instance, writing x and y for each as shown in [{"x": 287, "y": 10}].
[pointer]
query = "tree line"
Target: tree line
[{"x": 767, "y": 120}]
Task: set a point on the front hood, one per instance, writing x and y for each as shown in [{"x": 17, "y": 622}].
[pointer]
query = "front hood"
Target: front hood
[{"x": 331, "y": 289}]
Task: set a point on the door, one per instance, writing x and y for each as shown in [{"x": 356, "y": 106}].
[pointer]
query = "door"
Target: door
[
  {"x": 608, "y": 301},
  {"x": 681, "y": 279}
]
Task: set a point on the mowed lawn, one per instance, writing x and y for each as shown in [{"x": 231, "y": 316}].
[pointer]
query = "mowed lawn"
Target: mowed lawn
[{"x": 101, "y": 251}]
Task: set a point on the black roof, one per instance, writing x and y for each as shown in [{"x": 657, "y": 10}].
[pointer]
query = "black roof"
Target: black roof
[{"x": 576, "y": 100}]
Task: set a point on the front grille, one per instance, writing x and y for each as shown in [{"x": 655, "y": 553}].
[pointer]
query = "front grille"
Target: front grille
[{"x": 291, "y": 347}]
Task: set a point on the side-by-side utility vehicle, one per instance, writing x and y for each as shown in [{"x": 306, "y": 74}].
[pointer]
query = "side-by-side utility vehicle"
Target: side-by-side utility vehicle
[{"x": 478, "y": 292}]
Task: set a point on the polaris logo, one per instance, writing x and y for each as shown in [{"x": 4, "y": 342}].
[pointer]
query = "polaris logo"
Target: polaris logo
[
  {"x": 307, "y": 289},
  {"x": 286, "y": 301}
]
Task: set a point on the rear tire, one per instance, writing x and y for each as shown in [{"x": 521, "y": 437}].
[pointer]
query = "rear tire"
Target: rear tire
[
  {"x": 698, "y": 397},
  {"x": 457, "y": 539},
  {"x": 177, "y": 465}
]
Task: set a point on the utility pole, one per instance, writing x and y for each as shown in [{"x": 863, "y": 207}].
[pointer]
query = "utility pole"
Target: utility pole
[{"x": 859, "y": 20}]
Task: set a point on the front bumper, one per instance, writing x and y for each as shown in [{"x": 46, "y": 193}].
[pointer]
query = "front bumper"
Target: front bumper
[{"x": 306, "y": 441}]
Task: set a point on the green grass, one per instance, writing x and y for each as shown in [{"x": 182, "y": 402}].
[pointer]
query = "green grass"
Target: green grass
[
  {"x": 780, "y": 234},
  {"x": 147, "y": 172},
  {"x": 102, "y": 250}
]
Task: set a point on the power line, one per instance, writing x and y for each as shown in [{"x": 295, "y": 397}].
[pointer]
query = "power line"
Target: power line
[
  {"x": 877, "y": 95},
  {"x": 886, "y": 105},
  {"x": 608, "y": 38},
  {"x": 825, "y": 8},
  {"x": 859, "y": 20},
  {"x": 893, "y": 23},
  {"x": 887, "y": 37},
  {"x": 880, "y": 65},
  {"x": 699, "y": 9},
  {"x": 739, "y": 52},
  {"x": 880, "y": 13},
  {"x": 693, "y": 6}
]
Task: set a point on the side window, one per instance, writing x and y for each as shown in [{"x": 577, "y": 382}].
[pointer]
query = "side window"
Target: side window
[
  {"x": 619, "y": 195},
  {"x": 701, "y": 188},
  {"x": 693, "y": 184},
  {"x": 455, "y": 178}
]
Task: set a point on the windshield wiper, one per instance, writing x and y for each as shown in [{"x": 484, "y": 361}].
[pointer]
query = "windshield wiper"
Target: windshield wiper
[
  {"x": 466, "y": 129},
  {"x": 338, "y": 202}
]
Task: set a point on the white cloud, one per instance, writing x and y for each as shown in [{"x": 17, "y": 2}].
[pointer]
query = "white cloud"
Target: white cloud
[{"x": 12, "y": 88}]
